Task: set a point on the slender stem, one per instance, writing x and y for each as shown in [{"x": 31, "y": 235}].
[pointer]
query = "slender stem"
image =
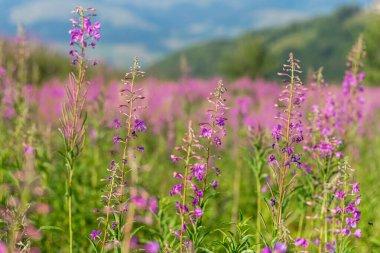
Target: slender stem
[
  {"x": 300, "y": 223},
  {"x": 129, "y": 120},
  {"x": 258, "y": 221},
  {"x": 108, "y": 211},
  {"x": 131, "y": 209},
  {"x": 236, "y": 193},
  {"x": 323, "y": 229},
  {"x": 284, "y": 169},
  {"x": 72, "y": 138},
  {"x": 218, "y": 95},
  {"x": 187, "y": 162},
  {"x": 70, "y": 209}
]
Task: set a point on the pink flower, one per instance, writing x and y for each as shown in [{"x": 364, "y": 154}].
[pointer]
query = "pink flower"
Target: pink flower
[
  {"x": 28, "y": 149},
  {"x": 358, "y": 233},
  {"x": 301, "y": 242},
  {"x": 355, "y": 187},
  {"x": 3, "y": 248},
  {"x": 198, "y": 212}
]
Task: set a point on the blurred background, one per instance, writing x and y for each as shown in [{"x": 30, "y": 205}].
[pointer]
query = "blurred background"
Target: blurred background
[{"x": 215, "y": 38}]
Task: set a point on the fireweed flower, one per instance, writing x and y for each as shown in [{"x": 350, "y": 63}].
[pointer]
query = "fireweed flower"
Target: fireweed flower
[
  {"x": 347, "y": 200},
  {"x": 84, "y": 33},
  {"x": 287, "y": 134},
  {"x": 211, "y": 135},
  {"x": 323, "y": 146},
  {"x": 351, "y": 110},
  {"x": 95, "y": 234},
  {"x": 118, "y": 210},
  {"x": 73, "y": 118},
  {"x": 187, "y": 210},
  {"x": 194, "y": 185},
  {"x": 278, "y": 248},
  {"x": 301, "y": 242},
  {"x": 331, "y": 121},
  {"x": 152, "y": 247}
]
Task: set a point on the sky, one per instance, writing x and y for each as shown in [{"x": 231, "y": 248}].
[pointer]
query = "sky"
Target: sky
[{"x": 152, "y": 29}]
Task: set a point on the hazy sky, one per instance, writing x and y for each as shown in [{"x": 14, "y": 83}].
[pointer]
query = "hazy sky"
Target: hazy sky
[{"x": 154, "y": 28}]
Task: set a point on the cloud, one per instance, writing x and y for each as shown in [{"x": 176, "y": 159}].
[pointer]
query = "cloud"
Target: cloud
[
  {"x": 162, "y": 4},
  {"x": 272, "y": 17},
  {"x": 122, "y": 18},
  {"x": 122, "y": 54},
  {"x": 33, "y": 12},
  {"x": 174, "y": 43},
  {"x": 40, "y": 11},
  {"x": 198, "y": 28}
]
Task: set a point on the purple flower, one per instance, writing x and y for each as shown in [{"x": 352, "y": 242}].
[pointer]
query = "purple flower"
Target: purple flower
[
  {"x": 350, "y": 208},
  {"x": 351, "y": 222},
  {"x": 28, "y": 150},
  {"x": 177, "y": 175},
  {"x": 357, "y": 200},
  {"x": 355, "y": 187},
  {"x": 174, "y": 158},
  {"x": 220, "y": 121},
  {"x": 198, "y": 171},
  {"x": 116, "y": 123},
  {"x": 116, "y": 139},
  {"x": 139, "y": 201},
  {"x": 301, "y": 242},
  {"x": 276, "y": 132},
  {"x": 95, "y": 234},
  {"x": 176, "y": 189},
  {"x": 199, "y": 193},
  {"x": 153, "y": 205},
  {"x": 330, "y": 247},
  {"x": 198, "y": 212},
  {"x": 358, "y": 233},
  {"x": 266, "y": 250},
  {"x": 83, "y": 33},
  {"x": 214, "y": 184},
  {"x": 280, "y": 247},
  {"x": 139, "y": 125},
  {"x": 340, "y": 194},
  {"x": 217, "y": 141},
  {"x": 140, "y": 148},
  {"x": 206, "y": 132},
  {"x": 152, "y": 247}
]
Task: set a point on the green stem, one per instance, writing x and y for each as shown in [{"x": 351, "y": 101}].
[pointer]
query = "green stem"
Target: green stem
[
  {"x": 284, "y": 169},
  {"x": 258, "y": 221},
  {"x": 72, "y": 137},
  {"x": 190, "y": 140},
  {"x": 108, "y": 211},
  {"x": 300, "y": 224}
]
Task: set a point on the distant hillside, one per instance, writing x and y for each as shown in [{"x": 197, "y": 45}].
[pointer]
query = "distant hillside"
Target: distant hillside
[
  {"x": 42, "y": 63},
  {"x": 323, "y": 41}
]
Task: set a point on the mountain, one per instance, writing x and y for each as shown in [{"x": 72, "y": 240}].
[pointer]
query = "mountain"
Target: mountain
[
  {"x": 154, "y": 29},
  {"x": 322, "y": 41}
]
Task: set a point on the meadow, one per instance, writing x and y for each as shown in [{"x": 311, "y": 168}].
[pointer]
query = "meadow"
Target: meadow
[{"x": 136, "y": 164}]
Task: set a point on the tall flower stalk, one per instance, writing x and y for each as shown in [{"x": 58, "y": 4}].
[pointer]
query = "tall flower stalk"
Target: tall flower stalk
[
  {"x": 287, "y": 134},
  {"x": 196, "y": 158},
  {"x": 351, "y": 107},
  {"x": 83, "y": 34},
  {"x": 257, "y": 164},
  {"x": 118, "y": 216},
  {"x": 213, "y": 130}
]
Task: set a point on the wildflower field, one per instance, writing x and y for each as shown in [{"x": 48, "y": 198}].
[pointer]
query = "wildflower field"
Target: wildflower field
[{"x": 131, "y": 163}]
